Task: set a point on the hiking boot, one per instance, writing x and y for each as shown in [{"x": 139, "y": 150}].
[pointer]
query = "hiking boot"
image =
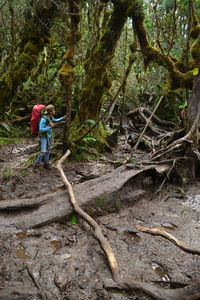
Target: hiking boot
[
  {"x": 37, "y": 168},
  {"x": 47, "y": 165}
]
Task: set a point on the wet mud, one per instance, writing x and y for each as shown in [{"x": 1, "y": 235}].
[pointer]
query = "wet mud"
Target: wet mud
[{"x": 64, "y": 260}]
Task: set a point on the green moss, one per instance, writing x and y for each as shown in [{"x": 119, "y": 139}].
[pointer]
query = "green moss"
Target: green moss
[
  {"x": 132, "y": 58},
  {"x": 108, "y": 83},
  {"x": 195, "y": 51},
  {"x": 34, "y": 33},
  {"x": 93, "y": 82},
  {"x": 77, "y": 35},
  {"x": 66, "y": 74},
  {"x": 112, "y": 139},
  {"x": 195, "y": 32},
  {"x": 180, "y": 66},
  {"x": 8, "y": 82},
  {"x": 31, "y": 48},
  {"x": 133, "y": 47},
  {"x": 4, "y": 141},
  {"x": 133, "y": 9},
  {"x": 19, "y": 76},
  {"x": 41, "y": 43},
  {"x": 25, "y": 60},
  {"x": 86, "y": 92},
  {"x": 100, "y": 202}
]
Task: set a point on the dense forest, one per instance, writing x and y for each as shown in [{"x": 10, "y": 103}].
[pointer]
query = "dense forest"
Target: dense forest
[
  {"x": 125, "y": 76},
  {"x": 88, "y": 57}
]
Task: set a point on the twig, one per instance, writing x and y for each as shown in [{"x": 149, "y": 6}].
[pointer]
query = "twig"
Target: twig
[
  {"x": 174, "y": 28},
  {"x": 165, "y": 234},
  {"x": 43, "y": 296}
]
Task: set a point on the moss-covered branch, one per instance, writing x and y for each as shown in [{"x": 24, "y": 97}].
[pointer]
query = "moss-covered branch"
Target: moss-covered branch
[
  {"x": 35, "y": 36},
  {"x": 178, "y": 79}
]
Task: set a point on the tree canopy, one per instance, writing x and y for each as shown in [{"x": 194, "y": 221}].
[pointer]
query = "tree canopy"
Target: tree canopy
[{"x": 76, "y": 54}]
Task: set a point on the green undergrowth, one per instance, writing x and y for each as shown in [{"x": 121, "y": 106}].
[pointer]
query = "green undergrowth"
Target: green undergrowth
[{"x": 4, "y": 141}]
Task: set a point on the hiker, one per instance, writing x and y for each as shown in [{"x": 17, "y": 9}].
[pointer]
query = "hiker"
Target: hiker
[{"x": 46, "y": 136}]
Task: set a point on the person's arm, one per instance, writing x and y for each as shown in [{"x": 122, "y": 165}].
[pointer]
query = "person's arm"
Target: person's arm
[
  {"x": 54, "y": 120},
  {"x": 43, "y": 127}
]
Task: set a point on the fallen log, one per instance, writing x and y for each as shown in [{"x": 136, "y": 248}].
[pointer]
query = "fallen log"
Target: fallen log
[{"x": 97, "y": 195}]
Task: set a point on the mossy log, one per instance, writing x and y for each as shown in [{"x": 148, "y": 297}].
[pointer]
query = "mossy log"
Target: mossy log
[{"x": 95, "y": 196}]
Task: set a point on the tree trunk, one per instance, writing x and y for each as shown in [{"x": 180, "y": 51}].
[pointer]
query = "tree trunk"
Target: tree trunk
[
  {"x": 35, "y": 36},
  {"x": 97, "y": 81},
  {"x": 66, "y": 73},
  {"x": 194, "y": 103}
]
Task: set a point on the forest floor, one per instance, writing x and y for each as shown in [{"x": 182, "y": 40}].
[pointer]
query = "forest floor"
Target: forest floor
[{"x": 64, "y": 260}]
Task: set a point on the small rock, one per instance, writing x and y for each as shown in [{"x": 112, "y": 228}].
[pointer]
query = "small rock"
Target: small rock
[{"x": 64, "y": 256}]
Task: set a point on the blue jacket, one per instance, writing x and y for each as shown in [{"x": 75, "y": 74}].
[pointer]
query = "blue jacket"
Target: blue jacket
[{"x": 44, "y": 124}]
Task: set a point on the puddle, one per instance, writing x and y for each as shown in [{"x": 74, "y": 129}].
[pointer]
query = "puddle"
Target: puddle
[
  {"x": 131, "y": 235},
  {"x": 160, "y": 272},
  {"x": 21, "y": 254},
  {"x": 21, "y": 235},
  {"x": 55, "y": 245},
  {"x": 54, "y": 190},
  {"x": 39, "y": 195}
]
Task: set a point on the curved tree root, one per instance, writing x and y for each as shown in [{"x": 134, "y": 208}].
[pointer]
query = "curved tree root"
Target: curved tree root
[
  {"x": 173, "y": 239},
  {"x": 123, "y": 283}
]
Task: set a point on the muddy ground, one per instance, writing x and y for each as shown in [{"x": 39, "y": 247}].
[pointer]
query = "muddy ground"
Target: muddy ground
[{"x": 64, "y": 260}]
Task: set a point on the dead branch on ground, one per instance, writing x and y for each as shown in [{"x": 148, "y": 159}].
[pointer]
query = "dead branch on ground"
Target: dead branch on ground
[{"x": 165, "y": 234}]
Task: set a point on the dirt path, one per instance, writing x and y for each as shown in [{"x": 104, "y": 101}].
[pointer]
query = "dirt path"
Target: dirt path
[{"x": 64, "y": 261}]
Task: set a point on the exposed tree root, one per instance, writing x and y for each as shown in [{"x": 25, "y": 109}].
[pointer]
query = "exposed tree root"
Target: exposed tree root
[
  {"x": 97, "y": 230},
  {"x": 161, "y": 232},
  {"x": 178, "y": 143},
  {"x": 147, "y": 124},
  {"x": 121, "y": 282},
  {"x": 148, "y": 112}
]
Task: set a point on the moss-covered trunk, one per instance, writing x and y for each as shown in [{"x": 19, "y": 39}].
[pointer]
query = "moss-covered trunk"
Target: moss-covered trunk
[
  {"x": 34, "y": 37},
  {"x": 66, "y": 73},
  {"x": 97, "y": 81},
  {"x": 194, "y": 103}
]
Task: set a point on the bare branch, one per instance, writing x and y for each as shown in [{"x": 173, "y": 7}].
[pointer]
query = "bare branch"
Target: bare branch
[{"x": 165, "y": 234}]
